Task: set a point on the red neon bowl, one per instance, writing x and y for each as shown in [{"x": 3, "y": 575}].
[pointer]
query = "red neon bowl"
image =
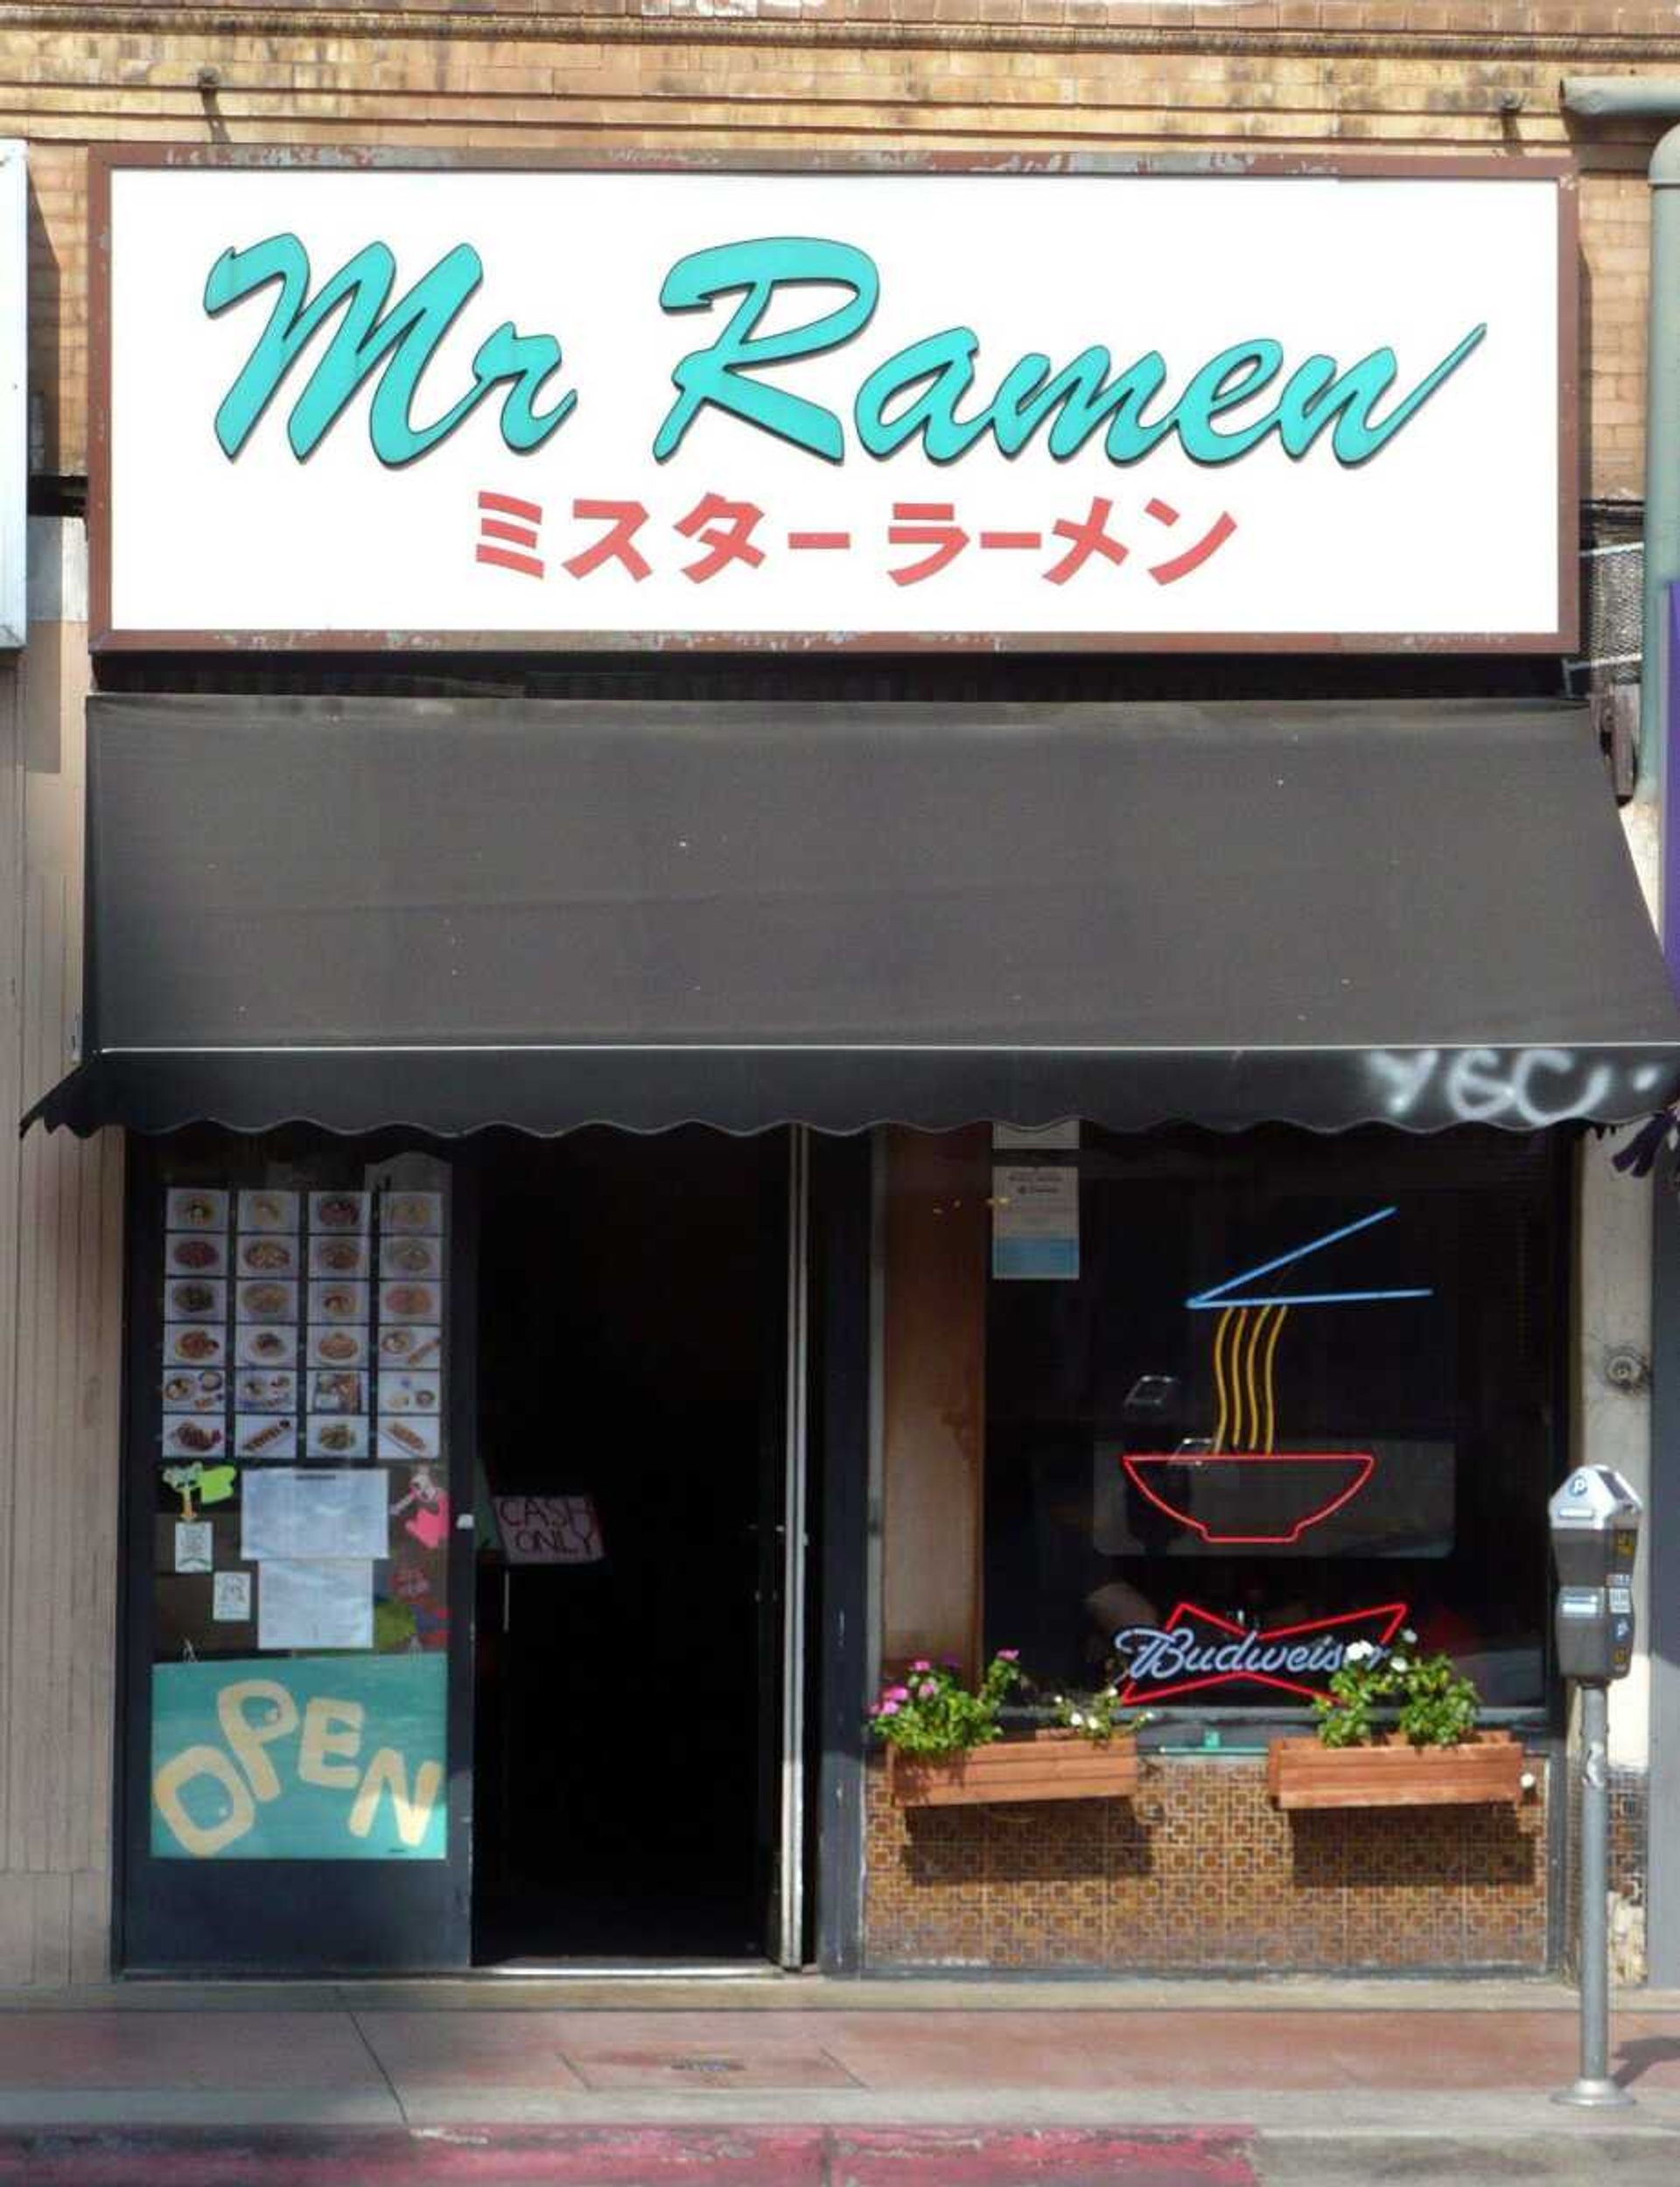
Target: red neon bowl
[{"x": 1251, "y": 1499}]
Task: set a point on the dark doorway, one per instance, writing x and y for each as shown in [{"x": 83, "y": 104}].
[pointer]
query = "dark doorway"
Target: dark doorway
[{"x": 631, "y": 1372}]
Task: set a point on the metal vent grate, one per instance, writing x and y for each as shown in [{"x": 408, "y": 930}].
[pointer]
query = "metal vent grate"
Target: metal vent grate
[{"x": 1612, "y": 567}]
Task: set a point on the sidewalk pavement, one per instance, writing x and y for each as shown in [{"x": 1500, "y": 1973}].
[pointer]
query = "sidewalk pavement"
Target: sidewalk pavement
[{"x": 779, "y": 2081}]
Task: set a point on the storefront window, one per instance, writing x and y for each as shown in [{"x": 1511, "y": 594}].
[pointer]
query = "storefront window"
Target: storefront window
[
  {"x": 1239, "y": 1401},
  {"x": 290, "y": 1320}
]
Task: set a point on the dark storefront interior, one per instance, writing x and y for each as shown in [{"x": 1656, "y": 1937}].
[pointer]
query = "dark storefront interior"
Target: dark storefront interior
[{"x": 626, "y": 1743}]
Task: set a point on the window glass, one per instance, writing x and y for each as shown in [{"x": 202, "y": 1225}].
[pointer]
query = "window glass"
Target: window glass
[
  {"x": 1248, "y": 1398},
  {"x": 289, "y": 1344}
]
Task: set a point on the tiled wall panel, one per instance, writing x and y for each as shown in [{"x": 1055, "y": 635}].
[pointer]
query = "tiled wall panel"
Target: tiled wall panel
[{"x": 1201, "y": 1871}]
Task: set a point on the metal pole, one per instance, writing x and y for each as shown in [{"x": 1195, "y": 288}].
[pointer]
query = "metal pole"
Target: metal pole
[
  {"x": 791, "y": 1912},
  {"x": 1662, "y": 558},
  {"x": 1641, "y": 98},
  {"x": 1593, "y": 2088}
]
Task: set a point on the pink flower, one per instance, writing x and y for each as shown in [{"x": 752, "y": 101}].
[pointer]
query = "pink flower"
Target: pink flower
[
  {"x": 889, "y": 1708},
  {"x": 897, "y": 1694},
  {"x": 921, "y": 1664},
  {"x": 1009, "y": 1655},
  {"x": 928, "y": 1689}
]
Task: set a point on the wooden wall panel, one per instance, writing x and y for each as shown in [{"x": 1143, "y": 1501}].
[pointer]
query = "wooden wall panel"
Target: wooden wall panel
[
  {"x": 60, "y": 1327},
  {"x": 11, "y": 1104},
  {"x": 937, "y": 1240}
]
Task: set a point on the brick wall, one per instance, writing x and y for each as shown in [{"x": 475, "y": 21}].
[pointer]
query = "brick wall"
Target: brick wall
[{"x": 734, "y": 76}]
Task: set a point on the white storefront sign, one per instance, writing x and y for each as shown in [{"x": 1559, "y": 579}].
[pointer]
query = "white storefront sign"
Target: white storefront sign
[{"x": 553, "y": 407}]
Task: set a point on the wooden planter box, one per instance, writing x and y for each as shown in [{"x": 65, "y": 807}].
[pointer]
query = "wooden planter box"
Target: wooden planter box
[
  {"x": 1486, "y": 1770},
  {"x": 1050, "y": 1765}
]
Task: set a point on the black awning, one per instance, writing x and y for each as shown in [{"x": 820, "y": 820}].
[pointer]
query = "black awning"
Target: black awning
[{"x": 455, "y": 913}]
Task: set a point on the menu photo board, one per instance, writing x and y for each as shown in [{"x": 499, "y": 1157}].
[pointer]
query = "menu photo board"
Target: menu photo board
[{"x": 301, "y": 1515}]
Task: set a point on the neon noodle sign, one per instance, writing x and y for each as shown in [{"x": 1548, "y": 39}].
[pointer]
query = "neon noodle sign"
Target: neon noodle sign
[
  {"x": 1247, "y": 1406},
  {"x": 1197, "y": 1649},
  {"x": 1207, "y": 1302},
  {"x": 1346, "y": 1472}
]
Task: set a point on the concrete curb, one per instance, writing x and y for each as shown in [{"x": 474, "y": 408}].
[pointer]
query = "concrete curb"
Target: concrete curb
[
  {"x": 764, "y": 2157},
  {"x": 1342, "y": 2114},
  {"x": 774, "y": 1992}
]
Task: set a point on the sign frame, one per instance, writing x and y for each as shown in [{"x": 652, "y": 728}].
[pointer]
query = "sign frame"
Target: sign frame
[{"x": 106, "y": 161}]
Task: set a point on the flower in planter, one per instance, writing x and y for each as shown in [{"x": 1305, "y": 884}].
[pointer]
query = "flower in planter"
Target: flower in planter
[
  {"x": 1097, "y": 1716},
  {"x": 929, "y": 1712},
  {"x": 1433, "y": 1704}
]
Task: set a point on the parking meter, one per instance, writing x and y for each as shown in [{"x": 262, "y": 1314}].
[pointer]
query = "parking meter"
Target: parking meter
[{"x": 1594, "y": 1520}]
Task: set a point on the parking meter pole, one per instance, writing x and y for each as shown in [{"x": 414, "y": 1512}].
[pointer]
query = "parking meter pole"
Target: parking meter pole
[
  {"x": 1594, "y": 2089},
  {"x": 1594, "y": 1520}
]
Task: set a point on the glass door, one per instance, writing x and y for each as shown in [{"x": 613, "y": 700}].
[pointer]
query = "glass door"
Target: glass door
[{"x": 299, "y": 1425}]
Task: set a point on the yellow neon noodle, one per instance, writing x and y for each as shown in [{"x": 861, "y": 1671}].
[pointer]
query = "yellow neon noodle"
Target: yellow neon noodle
[
  {"x": 1219, "y": 1377},
  {"x": 1253, "y": 1431},
  {"x": 1281, "y": 1314}
]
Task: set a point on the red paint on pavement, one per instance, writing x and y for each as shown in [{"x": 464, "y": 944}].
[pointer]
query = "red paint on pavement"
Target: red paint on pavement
[
  {"x": 1054, "y": 2157},
  {"x": 631, "y": 2156}
]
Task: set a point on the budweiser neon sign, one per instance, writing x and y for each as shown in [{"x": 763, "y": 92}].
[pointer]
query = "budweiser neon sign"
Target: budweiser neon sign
[{"x": 1197, "y": 1650}]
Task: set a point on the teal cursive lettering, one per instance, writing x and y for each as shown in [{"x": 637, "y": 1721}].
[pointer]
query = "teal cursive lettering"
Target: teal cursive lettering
[
  {"x": 397, "y": 340},
  {"x": 1315, "y": 396},
  {"x": 1082, "y": 394},
  {"x": 351, "y": 331},
  {"x": 917, "y": 393},
  {"x": 1235, "y": 375},
  {"x": 941, "y": 368},
  {"x": 718, "y": 375}
]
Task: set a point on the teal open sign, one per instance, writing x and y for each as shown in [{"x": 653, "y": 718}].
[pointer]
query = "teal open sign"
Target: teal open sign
[{"x": 327, "y": 1758}]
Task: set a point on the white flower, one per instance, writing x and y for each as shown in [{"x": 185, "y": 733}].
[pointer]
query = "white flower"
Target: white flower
[
  {"x": 1408, "y": 1637},
  {"x": 1357, "y": 1651},
  {"x": 1400, "y": 1664},
  {"x": 1077, "y": 1720}
]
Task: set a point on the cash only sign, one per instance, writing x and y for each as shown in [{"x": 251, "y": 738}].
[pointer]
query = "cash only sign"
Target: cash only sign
[{"x": 865, "y": 406}]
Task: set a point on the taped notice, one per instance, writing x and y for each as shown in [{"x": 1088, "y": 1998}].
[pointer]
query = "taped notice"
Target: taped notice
[
  {"x": 232, "y": 1601},
  {"x": 315, "y": 1603},
  {"x": 1035, "y": 1138},
  {"x": 1035, "y": 1222},
  {"x": 193, "y": 1546},
  {"x": 549, "y": 1529},
  {"x": 293, "y": 1511}
]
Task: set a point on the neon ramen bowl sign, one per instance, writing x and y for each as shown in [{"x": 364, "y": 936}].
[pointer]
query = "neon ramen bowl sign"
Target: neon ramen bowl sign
[{"x": 1198, "y": 1649}]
